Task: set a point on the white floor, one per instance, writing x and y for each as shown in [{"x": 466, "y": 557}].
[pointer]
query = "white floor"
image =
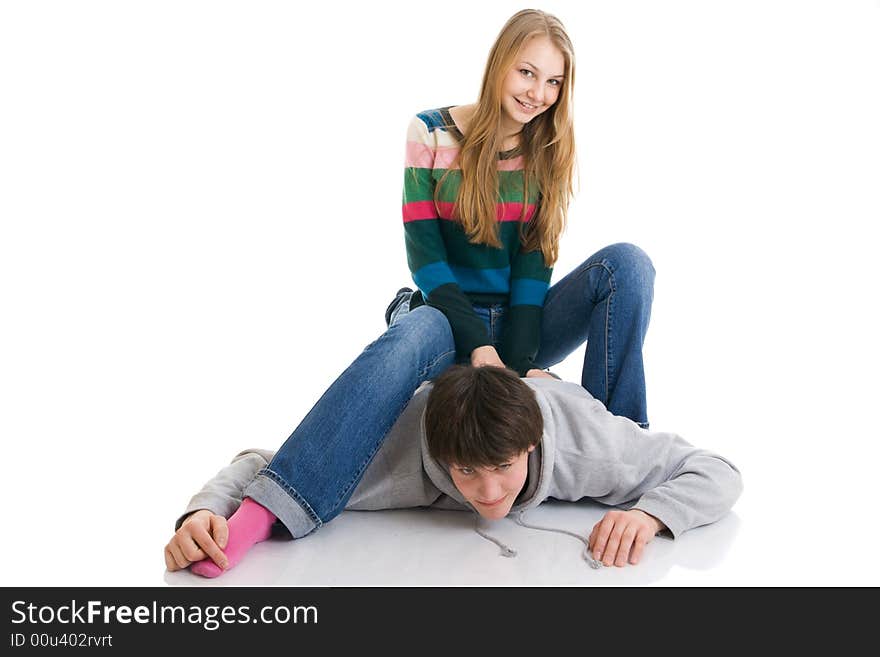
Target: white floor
[{"x": 440, "y": 548}]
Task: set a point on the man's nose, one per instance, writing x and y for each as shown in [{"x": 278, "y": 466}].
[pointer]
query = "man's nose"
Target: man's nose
[{"x": 490, "y": 489}]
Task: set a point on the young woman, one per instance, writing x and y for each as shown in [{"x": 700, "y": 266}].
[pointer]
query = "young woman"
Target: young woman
[{"x": 486, "y": 192}]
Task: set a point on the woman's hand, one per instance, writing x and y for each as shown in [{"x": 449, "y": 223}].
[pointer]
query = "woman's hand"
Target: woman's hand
[
  {"x": 621, "y": 536},
  {"x": 202, "y": 535},
  {"x": 486, "y": 355}
]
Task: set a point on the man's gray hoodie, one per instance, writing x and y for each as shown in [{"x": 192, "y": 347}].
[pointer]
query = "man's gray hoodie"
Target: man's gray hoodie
[{"x": 585, "y": 452}]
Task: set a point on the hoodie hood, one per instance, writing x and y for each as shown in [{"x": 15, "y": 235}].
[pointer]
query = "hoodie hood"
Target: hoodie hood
[{"x": 540, "y": 466}]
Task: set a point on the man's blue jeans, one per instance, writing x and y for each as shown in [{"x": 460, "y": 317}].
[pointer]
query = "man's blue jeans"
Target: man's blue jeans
[{"x": 606, "y": 301}]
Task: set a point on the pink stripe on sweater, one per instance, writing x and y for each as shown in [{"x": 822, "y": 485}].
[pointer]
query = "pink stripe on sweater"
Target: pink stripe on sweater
[
  {"x": 418, "y": 211},
  {"x": 444, "y": 158},
  {"x": 504, "y": 211},
  {"x": 423, "y": 210},
  {"x": 419, "y": 155},
  {"x": 424, "y": 157}
]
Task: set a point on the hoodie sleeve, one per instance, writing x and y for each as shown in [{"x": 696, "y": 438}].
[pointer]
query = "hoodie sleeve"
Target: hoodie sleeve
[
  {"x": 222, "y": 494},
  {"x": 616, "y": 462}
]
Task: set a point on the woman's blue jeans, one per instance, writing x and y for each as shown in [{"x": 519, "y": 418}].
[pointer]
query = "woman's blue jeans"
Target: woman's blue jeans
[{"x": 606, "y": 301}]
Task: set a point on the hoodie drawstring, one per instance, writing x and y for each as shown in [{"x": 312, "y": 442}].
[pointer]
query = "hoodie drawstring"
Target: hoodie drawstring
[
  {"x": 507, "y": 551},
  {"x": 593, "y": 563}
]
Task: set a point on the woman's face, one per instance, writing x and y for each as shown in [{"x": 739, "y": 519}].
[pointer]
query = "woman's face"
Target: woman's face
[{"x": 536, "y": 78}]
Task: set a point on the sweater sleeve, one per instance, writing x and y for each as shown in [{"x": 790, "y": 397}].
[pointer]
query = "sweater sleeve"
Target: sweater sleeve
[
  {"x": 529, "y": 281},
  {"x": 425, "y": 248}
]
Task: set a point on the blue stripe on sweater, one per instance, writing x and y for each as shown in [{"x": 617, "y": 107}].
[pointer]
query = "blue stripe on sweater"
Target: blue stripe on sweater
[
  {"x": 523, "y": 291},
  {"x": 469, "y": 279},
  {"x": 484, "y": 281},
  {"x": 433, "y": 119},
  {"x": 528, "y": 292},
  {"x": 432, "y": 276}
]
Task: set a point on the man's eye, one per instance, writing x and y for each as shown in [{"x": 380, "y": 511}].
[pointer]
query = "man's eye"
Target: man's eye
[
  {"x": 504, "y": 466},
  {"x": 466, "y": 471}
]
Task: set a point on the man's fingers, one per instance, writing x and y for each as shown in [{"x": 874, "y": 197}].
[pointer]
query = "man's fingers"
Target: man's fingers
[
  {"x": 211, "y": 549},
  {"x": 179, "y": 559},
  {"x": 617, "y": 539},
  {"x": 626, "y": 541},
  {"x": 639, "y": 547},
  {"x": 170, "y": 563},
  {"x": 603, "y": 531},
  {"x": 190, "y": 547},
  {"x": 609, "y": 554},
  {"x": 219, "y": 530}
]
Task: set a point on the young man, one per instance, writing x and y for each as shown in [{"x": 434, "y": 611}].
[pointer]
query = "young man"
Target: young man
[{"x": 484, "y": 440}]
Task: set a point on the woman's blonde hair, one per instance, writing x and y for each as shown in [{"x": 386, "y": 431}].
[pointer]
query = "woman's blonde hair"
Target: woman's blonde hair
[{"x": 546, "y": 142}]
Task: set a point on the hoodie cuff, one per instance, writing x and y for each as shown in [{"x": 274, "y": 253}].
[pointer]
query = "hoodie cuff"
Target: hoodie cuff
[
  {"x": 219, "y": 506},
  {"x": 664, "y": 514}
]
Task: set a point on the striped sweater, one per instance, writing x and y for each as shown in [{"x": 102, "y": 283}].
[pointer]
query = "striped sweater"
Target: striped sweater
[{"x": 451, "y": 273}]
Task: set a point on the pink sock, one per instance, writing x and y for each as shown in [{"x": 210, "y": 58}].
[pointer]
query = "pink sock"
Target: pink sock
[{"x": 249, "y": 525}]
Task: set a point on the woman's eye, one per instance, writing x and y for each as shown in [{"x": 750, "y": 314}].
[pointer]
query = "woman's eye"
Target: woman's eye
[
  {"x": 466, "y": 471},
  {"x": 556, "y": 83},
  {"x": 504, "y": 466}
]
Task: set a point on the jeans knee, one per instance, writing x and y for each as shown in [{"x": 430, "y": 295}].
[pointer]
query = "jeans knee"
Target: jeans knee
[
  {"x": 631, "y": 264},
  {"x": 424, "y": 333}
]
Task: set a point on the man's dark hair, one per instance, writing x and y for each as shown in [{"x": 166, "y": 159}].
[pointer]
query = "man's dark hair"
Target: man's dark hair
[{"x": 481, "y": 416}]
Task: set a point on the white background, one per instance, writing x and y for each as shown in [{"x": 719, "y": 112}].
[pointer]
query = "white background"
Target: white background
[{"x": 200, "y": 206}]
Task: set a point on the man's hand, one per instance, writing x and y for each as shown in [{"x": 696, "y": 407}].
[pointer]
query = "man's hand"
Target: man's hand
[
  {"x": 622, "y": 536},
  {"x": 540, "y": 374},
  {"x": 486, "y": 355},
  {"x": 202, "y": 535}
]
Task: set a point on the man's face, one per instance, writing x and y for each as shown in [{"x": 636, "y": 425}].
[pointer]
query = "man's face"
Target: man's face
[{"x": 492, "y": 491}]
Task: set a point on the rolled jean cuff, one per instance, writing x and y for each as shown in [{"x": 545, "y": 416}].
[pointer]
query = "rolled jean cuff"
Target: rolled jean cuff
[{"x": 285, "y": 503}]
